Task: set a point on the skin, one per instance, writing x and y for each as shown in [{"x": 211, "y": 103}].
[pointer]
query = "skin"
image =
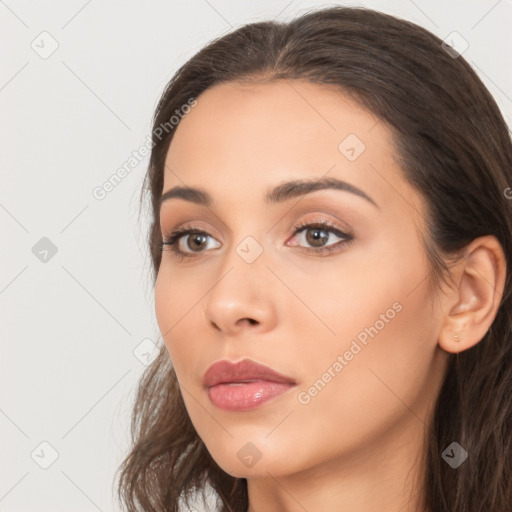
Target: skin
[{"x": 358, "y": 443}]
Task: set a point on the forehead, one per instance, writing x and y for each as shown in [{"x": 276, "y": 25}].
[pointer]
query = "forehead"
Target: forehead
[
  {"x": 241, "y": 139},
  {"x": 272, "y": 119}
]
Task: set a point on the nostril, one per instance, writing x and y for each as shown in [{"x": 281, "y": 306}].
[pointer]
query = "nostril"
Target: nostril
[{"x": 249, "y": 320}]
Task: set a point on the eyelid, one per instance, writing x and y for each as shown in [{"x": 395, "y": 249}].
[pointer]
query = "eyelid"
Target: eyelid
[
  {"x": 175, "y": 235},
  {"x": 188, "y": 225},
  {"x": 307, "y": 220}
]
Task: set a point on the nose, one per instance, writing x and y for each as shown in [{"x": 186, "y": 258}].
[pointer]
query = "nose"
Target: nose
[{"x": 241, "y": 299}]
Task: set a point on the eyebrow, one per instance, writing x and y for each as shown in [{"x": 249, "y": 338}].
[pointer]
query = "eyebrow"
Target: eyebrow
[{"x": 282, "y": 192}]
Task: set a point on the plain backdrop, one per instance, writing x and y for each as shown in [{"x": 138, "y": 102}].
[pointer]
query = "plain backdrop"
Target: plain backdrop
[{"x": 78, "y": 85}]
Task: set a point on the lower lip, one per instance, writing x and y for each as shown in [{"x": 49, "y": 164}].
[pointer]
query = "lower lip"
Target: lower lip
[{"x": 246, "y": 396}]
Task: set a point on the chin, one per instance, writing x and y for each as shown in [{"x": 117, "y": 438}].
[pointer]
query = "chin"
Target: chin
[{"x": 250, "y": 460}]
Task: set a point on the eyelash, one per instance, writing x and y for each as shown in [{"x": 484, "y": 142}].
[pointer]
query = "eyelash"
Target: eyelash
[{"x": 173, "y": 239}]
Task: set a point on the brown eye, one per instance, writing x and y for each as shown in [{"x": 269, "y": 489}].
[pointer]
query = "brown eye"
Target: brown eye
[
  {"x": 316, "y": 236},
  {"x": 196, "y": 241}
]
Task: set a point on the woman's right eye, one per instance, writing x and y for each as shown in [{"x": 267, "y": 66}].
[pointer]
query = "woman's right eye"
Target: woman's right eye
[{"x": 184, "y": 242}]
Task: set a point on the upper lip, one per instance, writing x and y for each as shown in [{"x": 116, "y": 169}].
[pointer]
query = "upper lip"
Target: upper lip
[{"x": 224, "y": 372}]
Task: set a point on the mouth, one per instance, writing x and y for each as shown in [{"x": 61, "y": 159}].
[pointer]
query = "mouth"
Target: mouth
[{"x": 244, "y": 385}]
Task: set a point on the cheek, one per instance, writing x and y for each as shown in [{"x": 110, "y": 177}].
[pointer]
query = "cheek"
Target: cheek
[
  {"x": 177, "y": 313},
  {"x": 381, "y": 362},
  {"x": 389, "y": 381},
  {"x": 376, "y": 334}
]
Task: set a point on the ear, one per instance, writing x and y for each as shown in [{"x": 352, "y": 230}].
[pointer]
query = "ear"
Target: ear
[{"x": 472, "y": 304}]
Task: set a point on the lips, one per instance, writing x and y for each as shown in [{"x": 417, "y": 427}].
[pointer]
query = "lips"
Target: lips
[
  {"x": 225, "y": 372},
  {"x": 244, "y": 385}
]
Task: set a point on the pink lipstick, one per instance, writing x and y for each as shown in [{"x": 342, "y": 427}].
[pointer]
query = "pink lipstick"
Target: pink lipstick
[{"x": 244, "y": 385}]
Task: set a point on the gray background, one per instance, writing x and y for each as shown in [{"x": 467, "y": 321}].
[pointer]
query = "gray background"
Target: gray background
[{"x": 78, "y": 324}]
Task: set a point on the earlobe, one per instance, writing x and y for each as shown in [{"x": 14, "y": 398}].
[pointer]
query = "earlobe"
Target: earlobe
[{"x": 473, "y": 303}]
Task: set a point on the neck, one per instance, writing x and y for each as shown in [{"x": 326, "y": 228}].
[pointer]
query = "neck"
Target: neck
[{"x": 386, "y": 476}]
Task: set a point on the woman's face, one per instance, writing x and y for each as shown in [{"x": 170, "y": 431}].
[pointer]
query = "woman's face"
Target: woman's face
[{"x": 354, "y": 329}]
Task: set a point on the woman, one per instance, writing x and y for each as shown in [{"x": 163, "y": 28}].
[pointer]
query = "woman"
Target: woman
[{"x": 330, "y": 242}]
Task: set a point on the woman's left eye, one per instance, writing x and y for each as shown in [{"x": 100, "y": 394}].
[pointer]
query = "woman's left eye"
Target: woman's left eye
[
  {"x": 317, "y": 234},
  {"x": 314, "y": 234}
]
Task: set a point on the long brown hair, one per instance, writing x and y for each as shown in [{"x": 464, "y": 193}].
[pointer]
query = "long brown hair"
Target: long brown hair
[{"x": 453, "y": 147}]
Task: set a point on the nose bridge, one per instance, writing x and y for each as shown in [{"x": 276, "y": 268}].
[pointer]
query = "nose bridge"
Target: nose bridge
[
  {"x": 246, "y": 245},
  {"x": 243, "y": 267},
  {"x": 239, "y": 291}
]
